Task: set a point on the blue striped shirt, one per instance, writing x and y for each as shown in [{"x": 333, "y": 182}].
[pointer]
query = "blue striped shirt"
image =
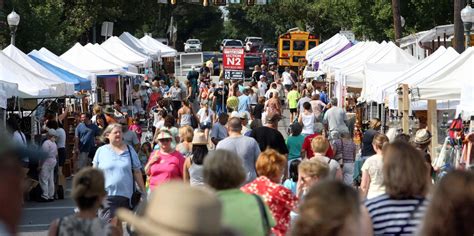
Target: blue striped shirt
[{"x": 395, "y": 216}]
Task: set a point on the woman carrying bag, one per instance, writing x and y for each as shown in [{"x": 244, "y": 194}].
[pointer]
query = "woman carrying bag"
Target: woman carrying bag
[{"x": 121, "y": 167}]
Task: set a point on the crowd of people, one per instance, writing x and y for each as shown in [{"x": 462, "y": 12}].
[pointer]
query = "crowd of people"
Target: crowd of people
[{"x": 201, "y": 158}]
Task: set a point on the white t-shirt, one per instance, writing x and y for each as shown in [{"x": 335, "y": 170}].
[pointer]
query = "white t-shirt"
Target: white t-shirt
[
  {"x": 262, "y": 88},
  {"x": 287, "y": 80},
  {"x": 373, "y": 165},
  {"x": 61, "y": 139},
  {"x": 203, "y": 117}
]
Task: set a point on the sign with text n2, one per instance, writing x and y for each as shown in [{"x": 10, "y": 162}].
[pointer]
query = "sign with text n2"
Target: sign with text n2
[
  {"x": 233, "y": 74},
  {"x": 233, "y": 58}
]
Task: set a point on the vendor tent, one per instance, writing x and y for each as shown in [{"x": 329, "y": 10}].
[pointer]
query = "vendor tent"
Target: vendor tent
[
  {"x": 21, "y": 58},
  {"x": 447, "y": 83},
  {"x": 7, "y": 90},
  {"x": 166, "y": 51},
  {"x": 51, "y": 58},
  {"x": 88, "y": 61},
  {"x": 326, "y": 48},
  {"x": 345, "y": 57},
  {"x": 122, "y": 51},
  {"x": 30, "y": 84},
  {"x": 102, "y": 53},
  {"x": 387, "y": 54},
  {"x": 139, "y": 46},
  {"x": 427, "y": 67}
]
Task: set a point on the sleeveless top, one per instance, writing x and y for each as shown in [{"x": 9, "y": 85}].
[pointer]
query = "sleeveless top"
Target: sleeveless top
[
  {"x": 195, "y": 175},
  {"x": 75, "y": 226},
  {"x": 185, "y": 119},
  {"x": 308, "y": 123}
]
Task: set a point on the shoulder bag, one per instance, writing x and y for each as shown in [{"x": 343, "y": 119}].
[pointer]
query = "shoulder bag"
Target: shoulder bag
[
  {"x": 263, "y": 213},
  {"x": 136, "y": 195}
]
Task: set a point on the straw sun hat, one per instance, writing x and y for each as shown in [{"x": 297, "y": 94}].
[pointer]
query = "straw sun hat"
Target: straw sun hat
[
  {"x": 176, "y": 208},
  {"x": 422, "y": 136},
  {"x": 199, "y": 138}
]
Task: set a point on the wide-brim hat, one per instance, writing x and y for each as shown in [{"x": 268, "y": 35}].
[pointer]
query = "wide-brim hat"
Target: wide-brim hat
[
  {"x": 423, "y": 136},
  {"x": 176, "y": 208},
  {"x": 109, "y": 110},
  {"x": 199, "y": 138}
]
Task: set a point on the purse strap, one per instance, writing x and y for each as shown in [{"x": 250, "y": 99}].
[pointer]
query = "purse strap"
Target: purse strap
[
  {"x": 263, "y": 213},
  {"x": 131, "y": 168}
]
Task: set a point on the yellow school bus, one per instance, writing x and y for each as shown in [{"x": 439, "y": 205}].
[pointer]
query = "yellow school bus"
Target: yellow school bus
[{"x": 293, "y": 45}]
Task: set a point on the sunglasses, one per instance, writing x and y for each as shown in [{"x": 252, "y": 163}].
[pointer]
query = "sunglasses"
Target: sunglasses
[{"x": 165, "y": 140}]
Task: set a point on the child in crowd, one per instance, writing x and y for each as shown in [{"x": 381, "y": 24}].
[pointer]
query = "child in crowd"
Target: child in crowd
[
  {"x": 292, "y": 181},
  {"x": 143, "y": 154},
  {"x": 295, "y": 142},
  {"x": 135, "y": 127}
]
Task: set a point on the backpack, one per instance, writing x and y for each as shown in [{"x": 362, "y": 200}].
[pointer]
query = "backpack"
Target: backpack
[{"x": 456, "y": 129}]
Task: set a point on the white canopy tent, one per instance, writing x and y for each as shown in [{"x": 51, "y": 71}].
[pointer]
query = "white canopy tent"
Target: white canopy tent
[
  {"x": 7, "y": 90},
  {"x": 447, "y": 83},
  {"x": 21, "y": 58},
  {"x": 105, "y": 55},
  {"x": 139, "y": 46},
  {"x": 122, "y": 51},
  {"x": 30, "y": 85},
  {"x": 166, "y": 51},
  {"x": 51, "y": 58},
  {"x": 326, "y": 48},
  {"x": 90, "y": 62},
  {"x": 388, "y": 54},
  {"x": 348, "y": 56},
  {"x": 420, "y": 72}
]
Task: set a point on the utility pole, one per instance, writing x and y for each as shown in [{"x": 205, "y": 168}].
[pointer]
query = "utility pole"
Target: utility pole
[
  {"x": 397, "y": 24},
  {"x": 458, "y": 40}
]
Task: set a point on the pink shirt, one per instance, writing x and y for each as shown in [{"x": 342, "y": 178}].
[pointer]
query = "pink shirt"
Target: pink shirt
[
  {"x": 166, "y": 167},
  {"x": 137, "y": 129}
]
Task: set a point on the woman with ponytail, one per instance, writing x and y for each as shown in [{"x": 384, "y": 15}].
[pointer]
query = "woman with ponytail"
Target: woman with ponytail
[
  {"x": 271, "y": 166},
  {"x": 372, "y": 176},
  {"x": 88, "y": 192}
]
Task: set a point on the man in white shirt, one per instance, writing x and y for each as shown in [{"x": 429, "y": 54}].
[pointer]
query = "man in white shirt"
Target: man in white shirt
[{"x": 287, "y": 79}]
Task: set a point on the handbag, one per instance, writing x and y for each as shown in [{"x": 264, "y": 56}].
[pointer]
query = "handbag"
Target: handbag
[
  {"x": 266, "y": 224},
  {"x": 136, "y": 195}
]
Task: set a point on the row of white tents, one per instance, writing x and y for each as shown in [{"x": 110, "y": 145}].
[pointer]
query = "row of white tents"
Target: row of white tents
[
  {"x": 42, "y": 74},
  {"x": 380, "y": 68}
]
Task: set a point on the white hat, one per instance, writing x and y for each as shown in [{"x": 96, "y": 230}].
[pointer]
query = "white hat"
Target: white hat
[{"x": 221, "y": 83}]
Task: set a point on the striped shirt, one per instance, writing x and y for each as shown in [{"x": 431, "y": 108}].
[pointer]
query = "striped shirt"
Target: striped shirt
[{"x": 395, "y": 216}]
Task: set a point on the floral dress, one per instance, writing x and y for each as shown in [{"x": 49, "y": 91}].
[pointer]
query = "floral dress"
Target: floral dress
[{"x": 279, "y": 199}]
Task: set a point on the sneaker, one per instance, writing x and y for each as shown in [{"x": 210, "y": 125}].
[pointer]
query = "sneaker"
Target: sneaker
[{"x": 41, "y": 199}]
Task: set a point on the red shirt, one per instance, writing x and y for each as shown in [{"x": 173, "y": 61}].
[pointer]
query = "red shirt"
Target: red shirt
[
  {"x": 279, "y": 199},
  {"x": 307, "y": 147}
]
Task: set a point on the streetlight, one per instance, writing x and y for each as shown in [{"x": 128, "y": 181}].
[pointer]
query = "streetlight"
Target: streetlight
[
  {"x": 13, "y": 20},
  {"x": 467, "y": 16}
]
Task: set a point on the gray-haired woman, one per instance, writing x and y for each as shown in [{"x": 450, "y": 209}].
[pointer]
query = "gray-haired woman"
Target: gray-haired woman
[{"x": 121, "y": 166}]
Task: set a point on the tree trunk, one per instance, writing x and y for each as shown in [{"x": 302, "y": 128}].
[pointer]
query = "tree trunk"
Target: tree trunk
[
  {"x": 458, "y": 40},
  {"x": 397, "y": 24}
]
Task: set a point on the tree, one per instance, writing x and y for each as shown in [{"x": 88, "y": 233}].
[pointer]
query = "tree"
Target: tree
[{"x": 397, "y": 24}]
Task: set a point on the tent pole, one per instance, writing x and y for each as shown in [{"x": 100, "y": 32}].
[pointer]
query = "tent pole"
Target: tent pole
[
  {"x": 432, "y": 125},
  {"x": 406, "y": 109}
]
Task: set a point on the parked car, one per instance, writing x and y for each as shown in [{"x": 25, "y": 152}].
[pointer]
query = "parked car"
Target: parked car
[
  {"x": 231, "y": 43},
  {"x": 253, "y": 44},
  {"x": 192, "y": 45}
]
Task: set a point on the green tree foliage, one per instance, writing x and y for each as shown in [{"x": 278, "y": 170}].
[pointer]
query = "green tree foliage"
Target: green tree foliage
[
  {"x": 59, "y": 24},
  {"x": 368, "y": 19}
]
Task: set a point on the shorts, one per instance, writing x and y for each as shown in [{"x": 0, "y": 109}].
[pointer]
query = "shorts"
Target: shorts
[
  {"x": 205, "y": 125},
  {"x": 220, "y": 109},
  {"x": 110, "y": 205},
  {"x": 61, "y": 156},
  {"x": 292, "y": 110}
]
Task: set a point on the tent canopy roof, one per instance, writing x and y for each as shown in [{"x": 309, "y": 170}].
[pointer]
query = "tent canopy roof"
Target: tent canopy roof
[{"x": 166, "y": 51}]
